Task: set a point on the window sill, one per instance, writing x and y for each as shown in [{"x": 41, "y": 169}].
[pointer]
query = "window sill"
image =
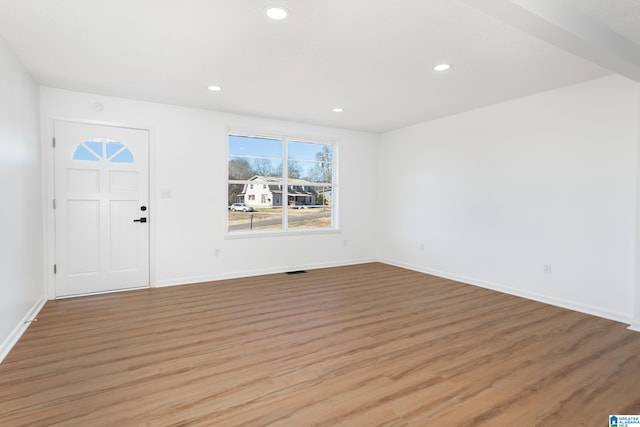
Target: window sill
[{"x": 271, "y": 233}]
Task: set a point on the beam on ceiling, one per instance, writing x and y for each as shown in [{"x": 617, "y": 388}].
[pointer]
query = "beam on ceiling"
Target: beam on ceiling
[{"x": 569, "y": 29}]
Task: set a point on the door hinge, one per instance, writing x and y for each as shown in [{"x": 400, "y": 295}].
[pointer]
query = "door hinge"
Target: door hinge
[
  {"x": 54, "y": 141},
  {"x": 54, "y": 203},
  {"x": 55, "y": 268}
]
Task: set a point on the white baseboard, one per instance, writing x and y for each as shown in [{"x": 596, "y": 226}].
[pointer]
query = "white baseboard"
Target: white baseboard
[
  {"x": 558, "y": 302},
  {"x": 634, "y": 326},
  {"x": 17, "y": 332},
  {"x": 258, "y": 272}
]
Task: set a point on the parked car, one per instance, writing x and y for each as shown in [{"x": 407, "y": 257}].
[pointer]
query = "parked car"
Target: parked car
[{"x": 240, "y": 207}]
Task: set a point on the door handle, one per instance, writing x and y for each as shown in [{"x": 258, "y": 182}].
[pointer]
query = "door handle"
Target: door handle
[{"x": 140, "y": 220}]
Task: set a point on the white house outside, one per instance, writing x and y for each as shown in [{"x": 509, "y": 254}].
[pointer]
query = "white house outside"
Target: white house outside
[{"x": 266, "y": 192}]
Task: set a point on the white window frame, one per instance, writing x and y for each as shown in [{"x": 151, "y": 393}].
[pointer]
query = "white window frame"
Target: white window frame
[{"x": 284, "y": 186}]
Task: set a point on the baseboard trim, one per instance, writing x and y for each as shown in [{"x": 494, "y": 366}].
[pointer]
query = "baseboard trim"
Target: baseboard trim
[
  {"x": 110, "y": 291},
  {"x": 258, "y": 272},
  {"x": 558, "y": 302},
  {"x": 634, "y": 326},
  {"x": 17, "y": 332}
]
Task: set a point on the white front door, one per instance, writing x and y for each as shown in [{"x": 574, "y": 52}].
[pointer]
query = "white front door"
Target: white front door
[{"x": 101, "y": 208}]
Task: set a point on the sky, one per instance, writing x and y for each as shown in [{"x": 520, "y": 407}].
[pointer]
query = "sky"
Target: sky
[{"x": 271, "y": 148}]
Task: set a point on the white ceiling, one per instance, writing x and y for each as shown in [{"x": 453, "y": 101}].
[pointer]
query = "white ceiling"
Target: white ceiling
[{"x": 374, "y": 58}]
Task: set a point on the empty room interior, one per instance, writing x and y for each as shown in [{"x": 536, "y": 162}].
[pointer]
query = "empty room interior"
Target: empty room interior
[{"x": 319, "y": 213}]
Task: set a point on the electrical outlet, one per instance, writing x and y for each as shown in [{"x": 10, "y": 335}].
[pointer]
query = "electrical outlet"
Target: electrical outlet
[
  {"x": 421, "y": 247},
  {"x": 547, "y": 269},
  {"x": 344, "y": 243},
  {"x": 165, "y": 193},
  {"x": 217, "y": 252}
]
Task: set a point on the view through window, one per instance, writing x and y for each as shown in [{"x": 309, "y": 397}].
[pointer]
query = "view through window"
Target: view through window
[{"x": 267, "y": 193}]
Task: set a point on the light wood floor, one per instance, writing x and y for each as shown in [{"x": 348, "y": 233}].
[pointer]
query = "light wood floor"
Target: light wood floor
[{"x": 364, "y": 345}]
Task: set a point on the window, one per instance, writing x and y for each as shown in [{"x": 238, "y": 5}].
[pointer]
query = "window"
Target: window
[
  {"x": 98, "y": 149},
  {"x": 296, "y": 194}
]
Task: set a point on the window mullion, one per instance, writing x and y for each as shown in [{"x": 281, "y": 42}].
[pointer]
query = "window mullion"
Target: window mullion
[{"x": 285, "y": 184}]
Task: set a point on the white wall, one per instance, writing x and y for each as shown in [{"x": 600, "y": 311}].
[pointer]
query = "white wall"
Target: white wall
[
  {"x": 21, "y": 255},
  {"x": 636, "y": 321},
  {"x": 189, "y": 158},
  {"x": 496, "y": 193}
]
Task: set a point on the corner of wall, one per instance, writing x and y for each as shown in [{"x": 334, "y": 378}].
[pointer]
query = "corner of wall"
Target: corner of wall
[{"x": 21, "y": 327}]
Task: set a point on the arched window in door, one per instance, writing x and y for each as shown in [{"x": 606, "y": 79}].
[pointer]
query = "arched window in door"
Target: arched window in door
[{"x": 101, "y": 149}]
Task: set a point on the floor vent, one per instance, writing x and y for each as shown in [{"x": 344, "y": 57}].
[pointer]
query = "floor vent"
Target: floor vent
[{"x": 296, "y": 272}]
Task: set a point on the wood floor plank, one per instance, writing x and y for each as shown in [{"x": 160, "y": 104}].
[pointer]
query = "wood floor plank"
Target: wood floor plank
[{"x": 364, "y": 345}]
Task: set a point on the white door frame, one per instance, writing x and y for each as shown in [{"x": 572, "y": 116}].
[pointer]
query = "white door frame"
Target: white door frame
[{"x": 48, "y": 185}]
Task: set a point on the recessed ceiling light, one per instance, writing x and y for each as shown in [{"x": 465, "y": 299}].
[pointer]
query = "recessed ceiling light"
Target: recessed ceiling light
[
  {"x": 442, "y": 67},
  {"x": 276, "y": 12},
  {"x": 338, "y": 110},
  {"x": 214, "y": 88}
]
